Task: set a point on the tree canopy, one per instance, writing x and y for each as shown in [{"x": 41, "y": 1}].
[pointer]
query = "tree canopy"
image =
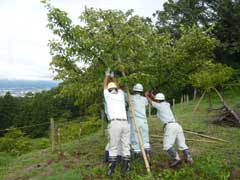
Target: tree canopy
[
  {"x": 112, "y": 38},
  {"x": 223, "y": 16}
]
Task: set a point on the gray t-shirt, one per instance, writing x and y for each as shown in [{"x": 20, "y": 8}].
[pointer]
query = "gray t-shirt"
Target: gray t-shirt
[{"x": 164, "y": 112}]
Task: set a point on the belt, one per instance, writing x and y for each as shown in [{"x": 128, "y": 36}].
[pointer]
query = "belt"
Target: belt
[
  {"x": 165, "y": 124},
  {"x": 118, "y": 119}
]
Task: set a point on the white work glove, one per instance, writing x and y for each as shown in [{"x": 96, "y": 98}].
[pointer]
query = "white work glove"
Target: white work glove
[
  {"x": 107, "y": 72},
  {"x": 112, "y": 74}
]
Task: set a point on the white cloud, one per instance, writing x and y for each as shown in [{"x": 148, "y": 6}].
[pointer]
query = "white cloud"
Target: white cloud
[{"x": 24, "y": 53}]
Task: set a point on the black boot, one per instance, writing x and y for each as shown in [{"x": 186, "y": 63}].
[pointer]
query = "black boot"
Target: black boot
[
  {"x": 136, "y": 155},
  {"x": 105, "y": 156},
  {"x": 148, "y": 154},
  {"x": 176, "y": 160},
  {"x": 125, "y": 165},
  {"x": 112, "y": 165},
  {"x": 187, "y": 156}
]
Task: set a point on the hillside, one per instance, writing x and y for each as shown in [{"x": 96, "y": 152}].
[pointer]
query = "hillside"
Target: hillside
[{"x": 82, "y": 159}]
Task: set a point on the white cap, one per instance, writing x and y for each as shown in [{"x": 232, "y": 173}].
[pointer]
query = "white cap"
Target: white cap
[
  {"x": 111, "y": 85},
  {"x": 138, "y": 87},
  {"x": 159, "y": 96}
]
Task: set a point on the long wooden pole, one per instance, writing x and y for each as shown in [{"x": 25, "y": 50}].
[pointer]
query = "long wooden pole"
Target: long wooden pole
[
  {"x": 200, "y": 100},
  {"x": 189, "y": 139},
  {"x": 137, "y": 129},
  {"x": 203, "y": 135}
]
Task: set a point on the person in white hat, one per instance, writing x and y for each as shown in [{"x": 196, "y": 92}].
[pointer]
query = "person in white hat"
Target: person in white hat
[
  {"x": 106, "y": 152},
  {"x": 119, "y": 128},
  {"x": 172, "y": 130},
  {"x": 139, "y": 104}
]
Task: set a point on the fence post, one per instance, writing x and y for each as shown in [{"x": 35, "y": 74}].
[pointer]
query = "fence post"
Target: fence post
[
  {"x": 194, "y": 94},
  {"x": 52, "y": 134},
  {"x": 187, "y": 99},
  {"x": 102, "y": 118},
  {"x": 59, "y": 141},
  {"x": 181, "y": 99},
  {"x": 173, "y": 103},
  {"x": 79, "y": 141}
]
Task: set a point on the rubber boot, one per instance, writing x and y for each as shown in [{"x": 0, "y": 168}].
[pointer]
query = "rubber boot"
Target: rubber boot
[
  {"x": 187, "y": 156},
  {"x": 112, "y": 165},
  {"x": 176, "y": 159},
  {"x": 105, "y": 156},
  {"x": 125, "y": 165},
  {"x": 148, "y": 154},
  {"x": 136, "y": 155}
]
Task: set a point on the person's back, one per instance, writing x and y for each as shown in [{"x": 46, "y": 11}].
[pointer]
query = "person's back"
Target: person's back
[
  {"x": 173, "y": 131},
  {"x": 115, "y": 104},
  {"x": 164, "y": 112},
  {"x": 139, "y": 103}
]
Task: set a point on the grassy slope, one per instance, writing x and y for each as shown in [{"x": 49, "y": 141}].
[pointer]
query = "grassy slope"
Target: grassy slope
[{"x": 82, "y": 160}]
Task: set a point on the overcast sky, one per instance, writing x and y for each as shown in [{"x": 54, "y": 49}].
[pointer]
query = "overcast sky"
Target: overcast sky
[{"x": 24, "y": 53}]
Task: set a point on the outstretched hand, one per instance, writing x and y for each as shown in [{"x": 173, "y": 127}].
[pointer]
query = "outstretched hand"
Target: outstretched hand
[
  {"x": 146, "y": 93},
  {"x": 152, "y": 95},
  {"x": 107, "y": 72},
  {"x": 112, "y": 75}
]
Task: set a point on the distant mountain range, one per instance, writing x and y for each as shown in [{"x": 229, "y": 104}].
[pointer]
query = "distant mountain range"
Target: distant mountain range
[{"x": 21, "y": 87}]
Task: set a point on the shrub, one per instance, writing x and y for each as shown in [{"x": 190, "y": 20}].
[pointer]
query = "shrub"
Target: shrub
[
  {"x": 15, "y": 143},
  {"x": 41, "y": 143}
]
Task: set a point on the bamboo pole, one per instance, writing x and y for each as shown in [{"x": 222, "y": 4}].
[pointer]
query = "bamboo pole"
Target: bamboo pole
[
  {"x": 200, "y": 100},
  {"x": 205, "y": 136},
  {"x": 136, "y": 127},
  {"x": 189, "y": 139},
  {"x": 52, "y": 134}
]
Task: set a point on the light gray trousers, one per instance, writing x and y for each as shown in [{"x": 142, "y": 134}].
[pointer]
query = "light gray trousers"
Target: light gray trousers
[
  {"x": 173, "y": 132},
  {"x": 119, "y": 138}
]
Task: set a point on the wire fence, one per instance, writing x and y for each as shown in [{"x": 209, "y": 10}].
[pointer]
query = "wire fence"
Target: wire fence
[
  {"x": 56, "y": 141},
  {"x": 41, "y": 124}
]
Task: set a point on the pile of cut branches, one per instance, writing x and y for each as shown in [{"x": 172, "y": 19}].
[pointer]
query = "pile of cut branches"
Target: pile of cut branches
[{"x": 226, "y": 116}]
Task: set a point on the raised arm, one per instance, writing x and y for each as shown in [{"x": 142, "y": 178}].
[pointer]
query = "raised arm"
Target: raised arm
[
  {"x": 106, "y": 79},
  {"x": 105, "y": 82},
  {"x": 115, "y": 81}
]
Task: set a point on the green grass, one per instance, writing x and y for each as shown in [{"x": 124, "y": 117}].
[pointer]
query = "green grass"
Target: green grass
[{"x": 82, "y": 160}]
